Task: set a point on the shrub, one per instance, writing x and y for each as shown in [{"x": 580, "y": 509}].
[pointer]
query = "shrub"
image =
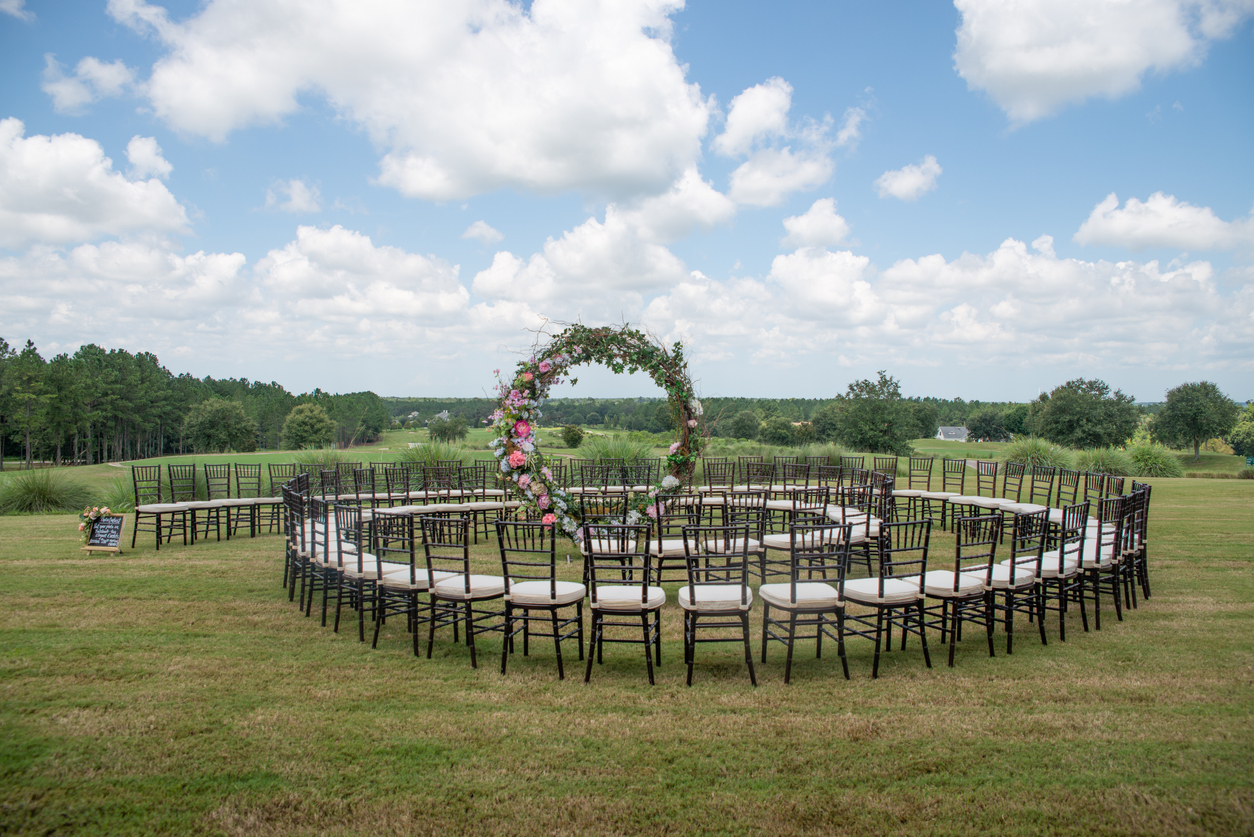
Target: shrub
[
  {"x": 618, "y": 447},
  {"x": 572, "y": 436},
  {"x": 42, "y": 491},
  {"x": 307, "y": 426},
  {"x": 1105, "y": 461},
  {"x": 1031, "y": 450},
  {"x": 832, "y": 451},
  {"x": 452, "y": 429},
  {"x": 433, "y": 452},
  {"x": 329, "y": 457},
  {"x": 1155, "y": 461},
  {"x": 1245, "y": 474},
  {"x": 120, "y": 495}
]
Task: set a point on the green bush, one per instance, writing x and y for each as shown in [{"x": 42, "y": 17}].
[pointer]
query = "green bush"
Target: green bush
[
  {"x": 831, "y": 451},
  {"x": 1245, "y": 474},
  {"x": 1031, "y": 450},
  {"x": 1155, "y": 461},
  {"x": 120, "y": 495},
  {"x": 1105, "y": 461},
  {"x": 572, "y": 436},
  {"x": 329, "y": 457},
  {"x": 618, "y": 447},
  {"x": 433, "y": 452},
  {"x": 42, "y": 491}
]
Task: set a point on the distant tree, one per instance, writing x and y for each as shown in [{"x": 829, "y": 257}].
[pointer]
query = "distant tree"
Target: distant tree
[
  {"x": 28, "y": 395},
  {"x": 987, "y": 426},
  {"x": 1193, "y": 414},
  {"x": 826, "y": 422},
  {"x": 776, "y": 431},
  {"x": 307, "y": 426},
  {"x": 873, "y": 417},
  {"x": 803, "y": 433},
  {"x": 219, "y": 424},
  {"x": 1015, "y": 420},
  {"x": 1086, "y": 414},
  {"x": 593, "y": 417},
  {"x": 572, "y": 436},
  {"x": 1242, "y": 436},
  {"x": 926, "y": 419},
  {"x": 452, "y": 429},
  {"x": 744, "y": 425}
]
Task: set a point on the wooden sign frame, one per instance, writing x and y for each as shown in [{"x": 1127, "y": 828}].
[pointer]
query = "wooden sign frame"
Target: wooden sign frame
[{"x": 112, "y": 547}]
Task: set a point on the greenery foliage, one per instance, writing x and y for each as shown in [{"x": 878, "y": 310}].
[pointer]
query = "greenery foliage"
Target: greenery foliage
[
  {"x": 620, "y": 446},
  {"x": 42, "y": 491},
  {"x": 216, "y": 425},
  {"x": 307, "y": 426},
  {"x": 744, "y": 425},
  {"x": 1155, "y": 461},
  {"x": 1194, "y": 413},
  {"x": 872, "y": 416},
  {"x": 776, "y": 431},
  {"x": 987, "y": 426},
  {"x": 1085, "y": 414},
  {"x": 1105, "y": 461},
  {"x": 451, "y": 429},
  {"x": 1242, "y": 436},
  {"x": 119, "y": 495},
  {"x": 435, "y": 452},
  {"x": 1033, "y": 451},
  {"x": 572, "y": 436}
]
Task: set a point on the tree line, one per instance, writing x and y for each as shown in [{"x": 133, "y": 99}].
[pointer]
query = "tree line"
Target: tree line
[{"x": 97, "y": 405}]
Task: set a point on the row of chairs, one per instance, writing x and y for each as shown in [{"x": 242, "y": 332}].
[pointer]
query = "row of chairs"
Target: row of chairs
[{"x": 198, "y": 499}]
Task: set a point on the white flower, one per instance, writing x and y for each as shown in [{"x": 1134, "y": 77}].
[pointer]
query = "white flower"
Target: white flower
[
  {"x": 670, "y": 481},
  {"x": 696, "y": 407}
]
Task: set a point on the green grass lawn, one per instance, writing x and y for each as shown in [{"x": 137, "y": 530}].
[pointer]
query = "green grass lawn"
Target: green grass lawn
[{"x": 180, "y": 693}]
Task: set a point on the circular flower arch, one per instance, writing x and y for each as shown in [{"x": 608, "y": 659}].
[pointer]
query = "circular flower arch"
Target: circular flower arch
[{"x": 621, "y": 349}]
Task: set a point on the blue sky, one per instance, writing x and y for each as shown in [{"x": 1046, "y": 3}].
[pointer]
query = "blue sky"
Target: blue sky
[{"x": 985, "y": 199}]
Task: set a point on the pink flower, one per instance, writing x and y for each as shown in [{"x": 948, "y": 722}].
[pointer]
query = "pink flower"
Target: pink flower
[
  {"x": 517, "y": 459},
  {"x": 543, "y": 501},
  {"x": 654, "y": 509},
  {"x": 545, "y": 366},
  {"x": 548, "y": 475},
  {"x": 527, "y": 376},
  {"x": 82, "y": 526},
  {"x": 521, "y": 429},
  {"x": 549, "y": 519},
  {"x": 674, "y": 447},
  {"x": 524, "y": 481},
  {"x": 692, "y": 422}
]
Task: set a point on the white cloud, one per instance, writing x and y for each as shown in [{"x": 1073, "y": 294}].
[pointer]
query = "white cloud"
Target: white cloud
[
  {"x": 690, "y": 203},
  {"x": 760, "y": 111},
  {"x": 482, "y": 232},
  {"x": 17, "y": 8},
  {"x": 850, "y": 133},
  {"x": 1162, "y": 221},
  {"x": 820, "y": 226},
  {"x": 300, "y": 197},
  {"x": 909, "y": 182},
  {"x": 93, "y": 79},
  {"x": 146, "y": 159},
  {"x": 1036, "y": 56},
  {"x": 63, "y": 189},
  {"x": 770, "y": 175},
  {"x": 464, "y": 97}
]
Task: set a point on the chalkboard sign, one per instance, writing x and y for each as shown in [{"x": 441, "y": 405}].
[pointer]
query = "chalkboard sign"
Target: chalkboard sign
[{"x": 106, "y": 534}]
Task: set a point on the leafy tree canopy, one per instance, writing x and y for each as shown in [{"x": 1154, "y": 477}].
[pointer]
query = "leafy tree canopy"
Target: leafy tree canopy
[
  {"x": 307, "y": 426},
  {"x": 1193, "y": 414},
  {"x": 873, "y": 417},
  {"x": 1086, "y": 414},
  {"x": 216, "y": 425},
  {"x": 452, "y": 429},
  {"x": 987, "y": 426}
]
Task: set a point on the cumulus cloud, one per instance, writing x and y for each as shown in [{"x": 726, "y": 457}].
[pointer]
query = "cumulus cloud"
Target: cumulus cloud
[
  {"x": 760, "y": 111},
  {"x": 1162, "y": 221},
  {"x": 692, "y": 202},
  {"x": 293, "y": 196},
  {"x": 465, "y": 98},
  {"x": 820, "y": 226},
  {"x": 17, "y": 8},
  {"x": 909, "y": 182},
  {"x": 1037, "y": 56},
  {"x": 63, "y": 189},
  {"x": 93, "y": 79},
  {"x": 146, "y": 159},
  {"x": 770, "y": 175},
  {"x": 850, "y": 133},
  {"x": 482, "y": 232}
]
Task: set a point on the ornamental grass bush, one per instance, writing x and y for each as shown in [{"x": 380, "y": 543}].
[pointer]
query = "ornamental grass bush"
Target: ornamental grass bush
[
  {"x": 1245, "y": 474},
  {"x": 330, "y": 457},
  {"x": 1105, "y": 461},
  {"x": 41, "y": 492},
  {"x": 617, "y": 447},
  {"x": 434, "y": 452},
  {"x": 119, "y": 496},
  {"x": 1031, "y": 450},
  {"x": 1155, "y": 461}
]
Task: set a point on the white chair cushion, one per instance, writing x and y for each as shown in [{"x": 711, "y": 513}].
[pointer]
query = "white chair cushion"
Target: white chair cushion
[
  {"x": 1050, "y": 566},
  {"x": 714, "y": 598},
  {"x": 974, "y": 500},
  {"x": 940, "y": 583},
  {"x": 715, "y": 547},
  {"x": 481, "y": 587},
  {"x": 938, "y": 495},
  {"x": 668, "y": 547},
  {"x": 1023, "y": 577},
  {"x": 896, "y": 590},
  {"x": 161, "y": 508},
  {"x": 811, "y": 595},
  {"x": 1023, "y": 508},
  {"x": 539, "y": 593},
  {"x": 397, "y": 578},
  {"x": 626, "y": 598},
  {"x": 907, "y": 492}
]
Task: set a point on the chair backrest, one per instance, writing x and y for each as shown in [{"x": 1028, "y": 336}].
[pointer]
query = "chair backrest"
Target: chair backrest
[
  {"x": 618, "y": 555},
  {"x": 853, "y": 461},
  {"x": 329, "y": 483},
  {"x": 1113, "y": 486},
  {"x": 182, "y": 483},
  {"x": 280, "y": 472},
  {"x": 792, "y": 473},
  {"x": 346, "y": 470},
  {"x": 811, "y": 502},
  {"x": 247, "y": 479},
  {"x": 641, "y": 474},
  {"x": 719, "y": 473},
  {"x": 146, "y": 480},
  {"x": 953, "y": 475},
  {"x": 1094, "y": 486},
  {"x": 1041, "y": 484},
  {"x": 717, "y": 556},
  {"x": 1066, "y": 544},
  {"x": 746, "y": 508},
  {"x": 218, "y": 481},
  {"x": 394, "y": 540},
  {"x": 597, "y": 476},
  {"x": 920, "y": 478},
  {"x": 528, "y": 553},
  {"x": 759, "y": 474},
  {"x": 295, "y": 511},
  {"x": 446, "y": 546},
  {"x": 817, "y": 551},
  {"x": 318, "y": 534},
  {"x": 885, "y": 464},
  {"x": 670, "y": 514},
  {"x": 396, "y": 483},
  {"x": 601, "y": 506},
  {"x": 1028, "y": 535},
  {"x": 903, "y": 550},
  {"x": 301, "y": 482},
  {"x": 351, "y": 538},
  {"x": 363, "y": 485},
  {"x": 1012, "y": 481},
  {"x": 829, "y": 475},
  {"x": 1106, "y": 538},
  {"x": 975, "y": 546},
  {"x": 986, "y": 477},
  {"x": 439, "y": 481},
  {"x": 816, "y": 461},
  {"x": 1068, "y": 488}
]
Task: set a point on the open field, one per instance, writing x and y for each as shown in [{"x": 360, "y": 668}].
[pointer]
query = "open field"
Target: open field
[{"x": 180, "y": 693}]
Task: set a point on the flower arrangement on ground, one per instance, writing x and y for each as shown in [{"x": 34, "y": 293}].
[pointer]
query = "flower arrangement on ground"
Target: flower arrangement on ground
[{"x": 87, "y": 518}]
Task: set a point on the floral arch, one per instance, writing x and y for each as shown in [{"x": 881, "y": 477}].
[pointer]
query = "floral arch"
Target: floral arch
[{"x": 621, "y": 349}]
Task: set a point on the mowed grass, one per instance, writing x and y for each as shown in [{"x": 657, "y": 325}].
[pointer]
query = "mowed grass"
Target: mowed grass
[{"x": 179, "y": 692}]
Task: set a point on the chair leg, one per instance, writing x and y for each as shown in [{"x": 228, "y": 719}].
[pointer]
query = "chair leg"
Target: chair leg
[
  {"x": 505, "y": 642},
  {"x": 927, "y": 658},
  {"x": 744, "y": 630},
  {"x": 766, "y": 619},
  {"x": 594, "y": 644},
  {"x": 792, "y": 638},
  {"x": 557, "y": 644},
  {"x": 879, "y": 632},
  {"x": 648, "y": 658},
  {"x": 690, "y": 631}
]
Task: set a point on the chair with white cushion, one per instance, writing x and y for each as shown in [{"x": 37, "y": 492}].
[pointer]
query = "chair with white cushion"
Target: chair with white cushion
[
  {"x": 895, "y": 593},
  {"x": 623, "y": 590},
  {"x": 1057, "y": 584},
  {"x": 962, "y": 591},
  {"x": 1014, "y": 579},
  {"x": 166, "y": 518},
  {"x": 935, "y": 505},
  {"x": 717, "y": 595},
  {"x": 534, "y": 596},
  {"x": 918, "y": 480},
  {"x": 1102, "y": 563},
  {"x": 457, "y": 599},
  {"x": 810, "y": 599},
  {"x": 670, "y": 514}
]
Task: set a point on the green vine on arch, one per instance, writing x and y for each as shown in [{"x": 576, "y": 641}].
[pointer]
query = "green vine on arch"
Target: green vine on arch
[{"x": 621, "y": 349}]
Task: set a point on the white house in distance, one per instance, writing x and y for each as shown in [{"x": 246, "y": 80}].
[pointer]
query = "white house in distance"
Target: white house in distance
[{"x": 952, "y": 434}]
